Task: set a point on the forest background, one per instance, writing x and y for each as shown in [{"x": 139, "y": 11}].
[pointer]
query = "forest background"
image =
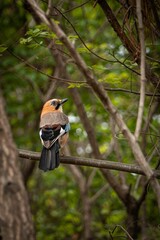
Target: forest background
[{"x": 104, "y": 57}]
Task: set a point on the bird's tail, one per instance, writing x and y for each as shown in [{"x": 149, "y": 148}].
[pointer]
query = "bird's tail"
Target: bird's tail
[{"x": 49, "y": 159}]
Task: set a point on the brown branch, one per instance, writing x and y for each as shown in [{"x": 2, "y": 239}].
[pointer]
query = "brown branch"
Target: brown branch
[
  {"x": 68, "y": 81},
  {"x": 117, "y": 152},
  {"x": 99, "y": 193},
  {"x": 130, "y": 91},
  {"x": 71, "y": 9},
  {"x": 40, "y": 71},
  {"x": 48, "y": 12},
  {"x": 124, "y": 230},
  {"x": 132, "y": 47},
  {"x": 90, "y": 162},
  {"x": 142, "y": 70},
  {"x": 123, "y": 64},
  {"x": 80, "y": 38}
]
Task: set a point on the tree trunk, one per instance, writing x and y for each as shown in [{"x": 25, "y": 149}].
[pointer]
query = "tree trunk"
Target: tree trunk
[
  {"x": 15, "y": 218},
  {"x": 87, "y": 216},
  {"x": 132, "y": 218}
]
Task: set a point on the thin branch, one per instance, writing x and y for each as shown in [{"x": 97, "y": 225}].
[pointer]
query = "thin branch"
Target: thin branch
[
  {"x": 130, "y": 45},
  {"x": 130, "y": 91},
  {"x": 117, "y": 152},
  {"x": 152, "y": 59},
  {"x": 123, "y": 64},
  {"x": 81, "y": 5},
  {"x": 151, "y": 111},
  {"x": 142, "y": 70},
  {"x": 90, "y": 162},
  {"x": 91, "y": 177},
  {"x": 73, "y": 8},
  {"x": 40, "y": 71},
  {"x": 124, "y": 230},
  {"x": 48, "y": 12},
  {"x": 80, "y": 38},
  {"x": 99, "y": 193},
  {"x": 68, "y": 81}
]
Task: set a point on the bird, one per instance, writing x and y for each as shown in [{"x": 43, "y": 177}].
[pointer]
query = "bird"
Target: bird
[{"x": 54, "y": 131}]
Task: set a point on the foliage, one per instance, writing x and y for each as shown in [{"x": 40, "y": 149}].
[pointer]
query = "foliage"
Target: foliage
[{"x": 55, "y": 197}]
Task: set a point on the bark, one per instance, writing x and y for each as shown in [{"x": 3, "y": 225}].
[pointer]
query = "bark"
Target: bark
[
  {"x": 90, "y": 162},
  {"x": 15, "y": 218},
  {"x": 84, "y": 194},
  {"x": 132, "y": 219},
  {"x": 142, "y": 71},
  {"x": 86, "y": 204},
  {"x": 87, "y": 215}
]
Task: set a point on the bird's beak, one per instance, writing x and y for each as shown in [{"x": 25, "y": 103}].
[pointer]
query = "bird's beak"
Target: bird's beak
[
  {"x": 61, "y": 102},
  {"x": 64, "y": 100}
]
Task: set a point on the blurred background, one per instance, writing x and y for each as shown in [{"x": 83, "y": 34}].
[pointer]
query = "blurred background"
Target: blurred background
[{"x": 75, "y": 202}]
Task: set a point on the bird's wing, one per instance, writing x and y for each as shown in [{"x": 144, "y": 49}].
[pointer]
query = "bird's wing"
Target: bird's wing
[
  {"x": 49, "y": 143},
  {"x": 53, "y": 118}
]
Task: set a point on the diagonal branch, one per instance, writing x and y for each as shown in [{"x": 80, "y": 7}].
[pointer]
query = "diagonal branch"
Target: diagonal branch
[
  {"x": 131, "y": 46},
  {"x": 99, "y": 193}
]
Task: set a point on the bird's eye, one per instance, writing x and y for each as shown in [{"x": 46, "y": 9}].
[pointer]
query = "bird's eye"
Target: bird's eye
[{"x": 54, "y": 103}]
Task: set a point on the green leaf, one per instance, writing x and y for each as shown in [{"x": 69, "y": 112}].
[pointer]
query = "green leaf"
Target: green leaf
[
  {"x": 73, "y": 37},
  {"x": 82, "y": 50},
  {"x": 99, "y": 67},
  {"x": 23, "y": 41},
  {"x": 58, "y": 42},
  {"x": 76, "y": 85}
]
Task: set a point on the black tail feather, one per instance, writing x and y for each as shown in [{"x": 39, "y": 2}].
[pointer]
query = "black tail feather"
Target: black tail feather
[{"x": 49, "y": 159}]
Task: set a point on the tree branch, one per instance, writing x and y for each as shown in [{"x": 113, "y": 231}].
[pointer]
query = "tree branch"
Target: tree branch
[
  {"x": 68, "y": 81},
  {"x": 99, "y": 193},
  {"x": 130, "y": 45},
  {"x": 90, "y": 162},
  {"x": 142, "y": 70}
]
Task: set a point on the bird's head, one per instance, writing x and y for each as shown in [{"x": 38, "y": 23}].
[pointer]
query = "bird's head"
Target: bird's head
[
  {"x": 54, "y": 105},
  {"x": 57, "y": 103}
]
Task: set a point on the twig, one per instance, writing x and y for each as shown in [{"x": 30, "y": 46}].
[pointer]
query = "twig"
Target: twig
[
  {"x": 142, "y": 70},
  {"x": 40, "y": 71},
  {"x": 130, "y": 91},
  {"x": 67, "y": 81},
  {"x": 123, "y": 64},
  {"x": 73, "y": 8},
  {"x": 48, "y": 12},
  {"x": 117, "y": 151},
  {"x": 80, "y": 38},
  {"x": 130, "y": 45},
  {"x": 99, "y": 193},
  {"x": 124, "y": 230}
]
